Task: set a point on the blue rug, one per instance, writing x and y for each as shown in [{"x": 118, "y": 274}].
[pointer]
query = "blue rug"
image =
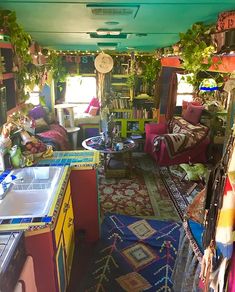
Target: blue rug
[{"x": 134, "y": 255}]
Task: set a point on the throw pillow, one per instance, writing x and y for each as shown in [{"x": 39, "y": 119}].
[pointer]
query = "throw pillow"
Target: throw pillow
[
  {"x": 41, "y": 125},
  {"x": 37, "y": 112},
  {"x": 196, "y": 209},
  {"x": 185, "y": 105},
  {"x": 93, "y": 110},
  {"x": 195, "y": 171},
  {"x": 94, "y": 102},
  {"x": 193, "y": 114}
]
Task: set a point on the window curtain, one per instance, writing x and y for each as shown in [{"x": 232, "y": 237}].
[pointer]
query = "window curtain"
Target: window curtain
[{"x": 171, "y": 97}]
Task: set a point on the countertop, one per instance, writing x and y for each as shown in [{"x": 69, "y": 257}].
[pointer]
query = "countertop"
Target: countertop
[{"x": 71, "y": 160}]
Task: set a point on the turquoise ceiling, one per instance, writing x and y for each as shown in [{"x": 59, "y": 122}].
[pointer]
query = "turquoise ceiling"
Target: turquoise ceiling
[{"x": 145, "y": 25}]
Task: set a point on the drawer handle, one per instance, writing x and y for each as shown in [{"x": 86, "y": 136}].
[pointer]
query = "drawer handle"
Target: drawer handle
[
  {"x": 66, "y": 207},
  {"x": 70, "y": 223}
]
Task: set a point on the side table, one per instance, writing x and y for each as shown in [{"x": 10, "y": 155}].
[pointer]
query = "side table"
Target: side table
[
  {"x": 73, "y": 131},
  {"x": 117, "y": 163}
]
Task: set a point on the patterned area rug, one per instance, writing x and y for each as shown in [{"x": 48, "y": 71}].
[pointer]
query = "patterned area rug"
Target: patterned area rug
[
  {"x": 144, "y": 194},
  {"x": 134, "y": 255},
  {"x": 181, "y": 190}
]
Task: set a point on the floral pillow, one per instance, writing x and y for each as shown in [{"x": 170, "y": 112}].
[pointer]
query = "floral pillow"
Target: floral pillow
[{"x": 196, "y": 210}]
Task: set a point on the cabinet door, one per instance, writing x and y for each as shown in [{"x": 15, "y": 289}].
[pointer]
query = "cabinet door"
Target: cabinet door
[
  {"x": 69, "y": 240},
  {"x": 61, "y": 267}
]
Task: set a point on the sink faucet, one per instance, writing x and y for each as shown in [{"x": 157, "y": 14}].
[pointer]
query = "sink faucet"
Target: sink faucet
[{"x": 5, "y": 185}]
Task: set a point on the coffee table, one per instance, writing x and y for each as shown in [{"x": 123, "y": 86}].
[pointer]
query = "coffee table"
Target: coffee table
[{"x": 117, "y": 163}]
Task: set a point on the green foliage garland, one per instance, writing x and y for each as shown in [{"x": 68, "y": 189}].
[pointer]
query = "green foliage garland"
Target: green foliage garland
[{"x": 196, "y": 50}]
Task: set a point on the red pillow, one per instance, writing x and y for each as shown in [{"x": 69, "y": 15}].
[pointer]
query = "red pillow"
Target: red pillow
[
  {"x": 94, "y": 102},
  {"x": 185, "y": 105},
  {"x": 193, "y": 114}
]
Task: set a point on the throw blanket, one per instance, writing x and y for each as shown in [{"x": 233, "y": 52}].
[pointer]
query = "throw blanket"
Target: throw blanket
[
  {"x": 58, "y": 136},
  {"x": 182, "y": 136}
]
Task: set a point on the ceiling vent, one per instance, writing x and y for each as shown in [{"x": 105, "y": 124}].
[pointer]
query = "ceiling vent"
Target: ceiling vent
[
  {"x": 94, "y": 35},
  {"x": 111, "y": 11},
  {"x": 107, "y": 46}
]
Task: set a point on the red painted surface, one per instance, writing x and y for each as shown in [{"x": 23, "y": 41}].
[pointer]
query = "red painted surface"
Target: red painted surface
[
  {"x": 40, "y": 247},
  {"x": 170, "y": 62},
  {"x": 85, "y": 202},
  {"x": 5, "y": 45},
  {"x": 227, "y": 63}
]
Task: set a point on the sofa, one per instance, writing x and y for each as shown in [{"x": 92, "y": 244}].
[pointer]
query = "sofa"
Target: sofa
[{"x": 177, "y": 141}]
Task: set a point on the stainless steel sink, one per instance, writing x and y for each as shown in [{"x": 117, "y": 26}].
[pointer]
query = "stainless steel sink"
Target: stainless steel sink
[{"x": 32, "y": 193}]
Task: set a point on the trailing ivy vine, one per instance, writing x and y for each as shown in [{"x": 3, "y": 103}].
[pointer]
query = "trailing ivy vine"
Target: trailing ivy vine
[
  {"x": 196, "y": 51},
  {"x": 20, "y": 41}
]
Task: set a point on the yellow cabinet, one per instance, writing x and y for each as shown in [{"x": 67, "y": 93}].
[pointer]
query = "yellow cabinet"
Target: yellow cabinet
[
  {"x": 65, "y": 241},
  {"x": 68, "y": 234}
]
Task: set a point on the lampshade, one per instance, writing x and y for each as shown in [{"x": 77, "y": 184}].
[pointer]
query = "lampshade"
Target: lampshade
[{"x": 208, "y": 84}]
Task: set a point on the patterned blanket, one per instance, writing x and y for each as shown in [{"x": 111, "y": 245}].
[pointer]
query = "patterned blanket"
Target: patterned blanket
[
  {"x": 57, "y": 135},
  {"x": 182, "y": 136}
]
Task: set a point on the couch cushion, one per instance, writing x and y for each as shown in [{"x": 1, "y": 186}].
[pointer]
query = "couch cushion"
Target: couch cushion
[{"x": 193, "y": 114}]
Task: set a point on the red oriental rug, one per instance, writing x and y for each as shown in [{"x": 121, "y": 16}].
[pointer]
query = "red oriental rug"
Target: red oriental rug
[{"x": 144, "y": 194}]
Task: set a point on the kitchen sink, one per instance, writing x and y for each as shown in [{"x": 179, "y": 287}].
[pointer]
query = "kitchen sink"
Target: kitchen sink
[{"x": 31, "y": 192}]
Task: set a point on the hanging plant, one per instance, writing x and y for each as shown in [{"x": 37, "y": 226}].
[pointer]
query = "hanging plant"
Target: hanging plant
[
  {"x": 149, "y": 67},
  {"x": 56, "y": 65},
  {"x": 20, "y": 41},
  {"x": 196, "y": 51}
]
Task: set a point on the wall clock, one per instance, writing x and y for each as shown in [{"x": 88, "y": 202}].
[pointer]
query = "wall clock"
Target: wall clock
[{"x": 103, "y": 63}]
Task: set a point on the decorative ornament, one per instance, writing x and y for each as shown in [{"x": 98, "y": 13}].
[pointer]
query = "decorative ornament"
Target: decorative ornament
[{"x": 103, "y": 63}]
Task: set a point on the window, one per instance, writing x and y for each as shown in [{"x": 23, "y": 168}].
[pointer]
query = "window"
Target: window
[
  {"x": 184, "y": 90},
  {"x": 80, "y": 90}
]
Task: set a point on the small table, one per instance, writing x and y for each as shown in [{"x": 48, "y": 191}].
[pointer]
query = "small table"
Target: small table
[
  {"x": 74, "y": 133},
  {"x": 117, "y": 163}
]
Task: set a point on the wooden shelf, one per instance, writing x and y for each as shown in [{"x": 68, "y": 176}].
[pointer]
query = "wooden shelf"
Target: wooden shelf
[
  {"x": 119, "y": 84},
  {"x": 5, "y": 45},
  {"x": 6, "y": 76},
  {"x": 120, "y": 76}
]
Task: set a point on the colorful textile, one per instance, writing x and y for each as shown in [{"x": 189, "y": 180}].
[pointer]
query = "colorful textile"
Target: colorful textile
[
  {"x": 134, "y": 255},
  {"x": 196, "y": 210},
  {"x": 181, "y": 190},
  {"x": 56, "y": 134},
  {"x": 182, "y": 136},
  {"x": 225, "y": 233},
  {"x": 144, "y": 194}
]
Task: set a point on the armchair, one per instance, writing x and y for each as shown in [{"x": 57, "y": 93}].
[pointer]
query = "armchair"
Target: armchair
[{"x": 167, "y": 136}]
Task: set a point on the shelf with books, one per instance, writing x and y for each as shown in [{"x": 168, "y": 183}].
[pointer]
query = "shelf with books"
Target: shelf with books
[
  {"x": 128, "y": 127},
  {"x": 121, "y": 103}
]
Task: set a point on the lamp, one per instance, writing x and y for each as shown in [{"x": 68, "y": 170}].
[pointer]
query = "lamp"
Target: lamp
[
  {"x": 208, "y": 84},
  {"x": 108, "y": 32}
]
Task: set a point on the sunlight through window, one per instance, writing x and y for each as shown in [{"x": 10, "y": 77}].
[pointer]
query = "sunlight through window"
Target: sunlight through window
[{"x": 80, "y": 90}]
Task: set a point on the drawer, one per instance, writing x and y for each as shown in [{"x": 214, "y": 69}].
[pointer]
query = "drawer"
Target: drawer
[{"x": 62, "y": 213}]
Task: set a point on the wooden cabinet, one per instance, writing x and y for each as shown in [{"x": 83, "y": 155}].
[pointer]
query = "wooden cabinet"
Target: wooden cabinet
[{"x": 52, "y": 249}]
